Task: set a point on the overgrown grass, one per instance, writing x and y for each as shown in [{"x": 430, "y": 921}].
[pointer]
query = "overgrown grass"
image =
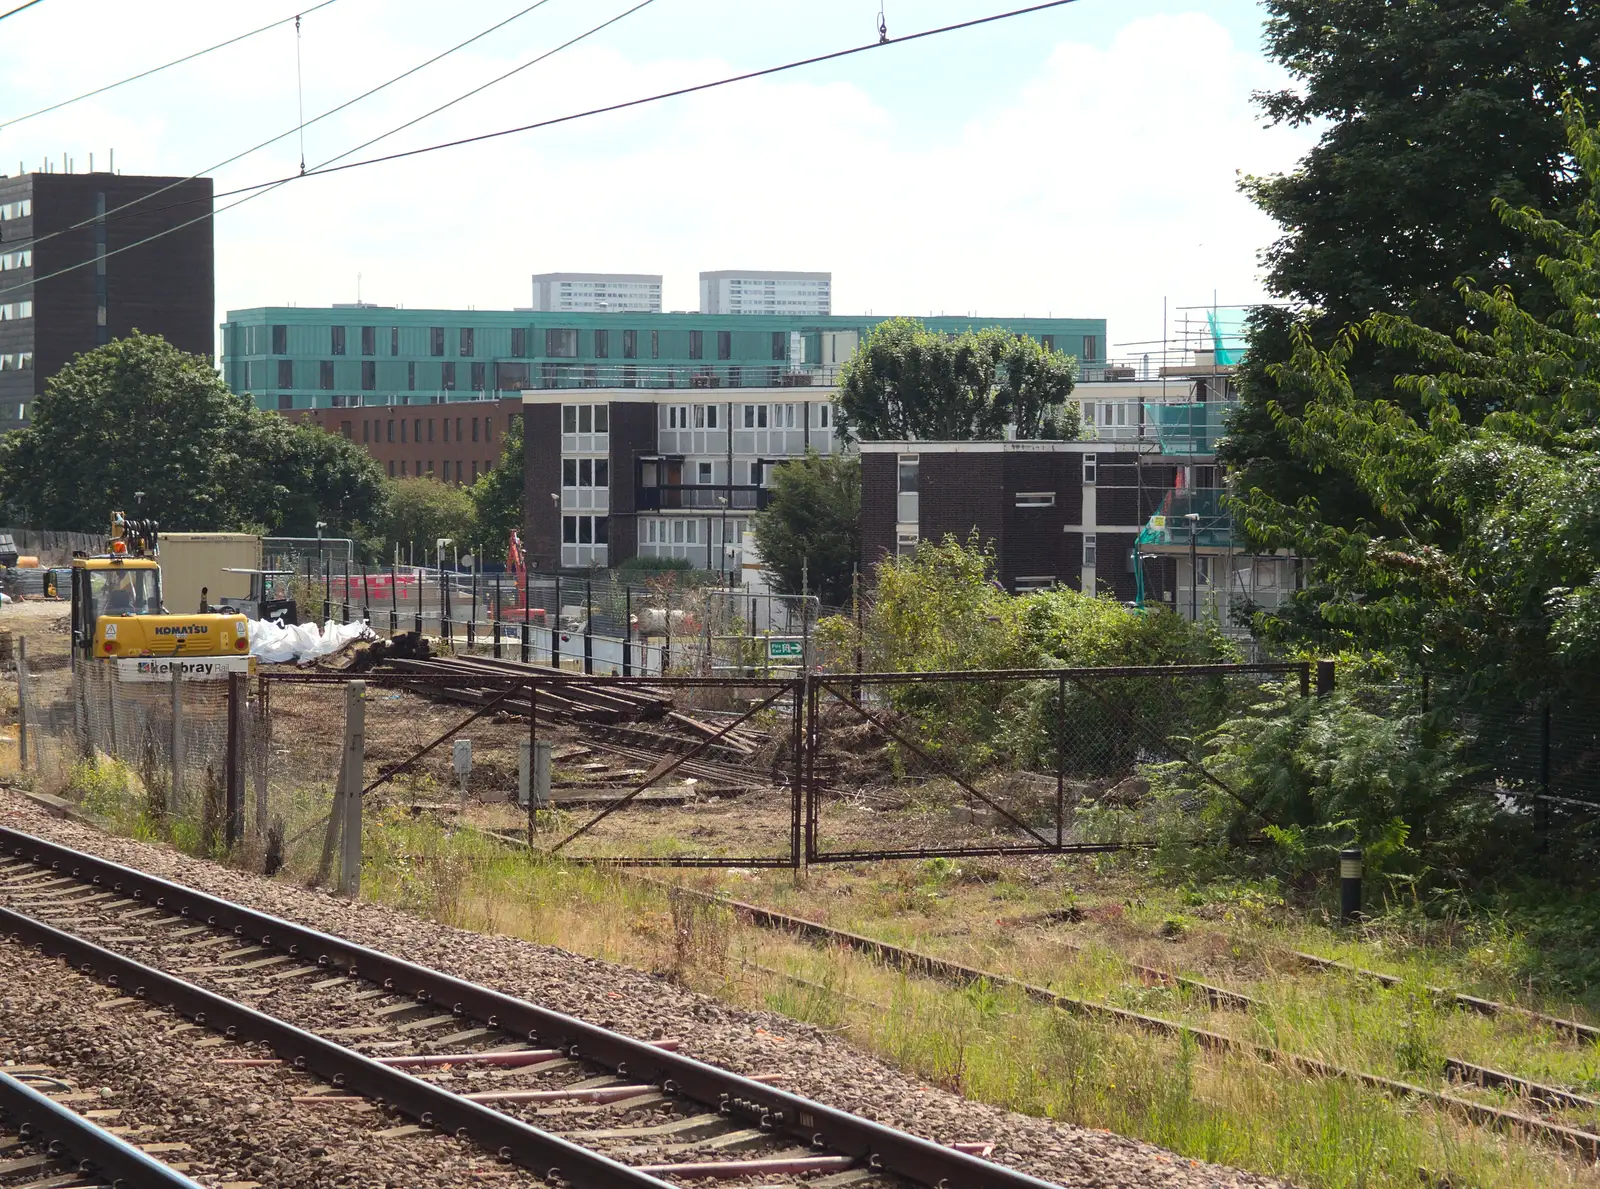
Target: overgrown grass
[{"x": 992, "y": 1044}]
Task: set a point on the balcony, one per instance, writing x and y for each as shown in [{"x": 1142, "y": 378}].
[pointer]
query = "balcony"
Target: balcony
[{"x": 701, "y": 498}]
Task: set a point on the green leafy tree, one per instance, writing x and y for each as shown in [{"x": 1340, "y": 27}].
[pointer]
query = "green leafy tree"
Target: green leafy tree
[
  {"x": 1431, "y": 112},
  {"x": 812, "y": 526},
  {"x": 1483, "y": 560},
  {"x": 906, "y": 381},
  {"x": 140, "y": 415},
  {"x": 497, "y": 496},
  {"x": 418, "y": 512}
]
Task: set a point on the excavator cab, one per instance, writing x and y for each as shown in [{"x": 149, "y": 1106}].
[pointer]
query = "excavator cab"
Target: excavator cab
[{"x": 117, "y": 610}]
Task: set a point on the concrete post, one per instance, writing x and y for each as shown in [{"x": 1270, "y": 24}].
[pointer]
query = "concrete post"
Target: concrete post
[
  {"x": 22, "y": 703},
  {"x": 542, "y": 750}
]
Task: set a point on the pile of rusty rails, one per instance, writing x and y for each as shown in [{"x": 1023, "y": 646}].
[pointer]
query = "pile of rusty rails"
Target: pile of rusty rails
[{"x": 612, "y": 712}]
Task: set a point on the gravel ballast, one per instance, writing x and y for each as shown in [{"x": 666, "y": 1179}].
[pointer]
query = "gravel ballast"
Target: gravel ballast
[
  {"x": 236, "y": 1125},
  {"x": 819, "y": 1066}
]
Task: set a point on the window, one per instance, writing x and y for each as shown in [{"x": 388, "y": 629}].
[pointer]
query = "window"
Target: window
[
  {"x": 446, "y": 429},
  {"x": 391, "y": 468},
  {"x": 458, "y": 429},
  {"x": 705, "y": 416},
  {"x": 326, "y": 377},
  {"x": 394, "y": 340},
  {"x": 411, "y": 375},
  {"x": 1047, "y": 341},
  {"x": 697, "y": 344},
  {"x": 1036, "y": 499},
  {"x": 403, "y": 471},
  {"x": 655, "y": 344},
  {"x": 1091, "y": 468},
  {"x": 512, "y": 377},
  {"x": 561, "y": 344},
  {"x": 602, "y": 344},
  {"x": 822, "y": 415},
  {"x": 280, "y": 340},
  {"x": 569, "y": 472},
  {"x": 724, "y": 344},
  {"x": 677, "y": 416},
  {"x": 519, "y": 342},
  {"x": 337, "y": 346},
  {"x": 447, "y": 375},
  {"x": 369, "y": 376},
  {"x": 390, "y": 435},
  {"x": 402, "y": 431},
  {"x": 416, "y": 436},
  {"x": 458, "y": 470},
  {"x": 467, "y": 341},
  {"x": 436, "y": 341},
  {"x": 1202, "y": 570},
  {"x": 474, "y": 429},
  {"x": 430, "y": 438},
  {"x": 755, "y": 416},
  {"x": 285, "y": 401},
  {"x": 909, "y": 467},
  {"x": 369, "y": 340},
  {"x": 704, "y": 474},
  {"x": 285, "y": 373},
  {"x": 905, "y": 544},
  {"x": 630, "y": 344},
  {"x": 780, "y": 345},
  {"x": 1035, "y": 583},
  {"x": 344, "y": 430},
  {"x": 366, "y": 432},
  {"x": 1091, "y": 346},
  {"x": 602, "y": 418},
  {"x": 1089, "y": 549},
  {"x": 478, "y": 370}
]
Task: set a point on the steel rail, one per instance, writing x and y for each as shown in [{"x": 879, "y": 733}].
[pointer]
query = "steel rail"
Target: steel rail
[
  {"x": 822, "y": 1127},
  {"x": 97, "y": 1151},
  {"x": 547, "y": 1155}
]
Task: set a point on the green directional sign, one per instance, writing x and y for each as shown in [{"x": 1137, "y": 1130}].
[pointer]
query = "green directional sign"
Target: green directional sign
[{"x": 779, "y": 649}]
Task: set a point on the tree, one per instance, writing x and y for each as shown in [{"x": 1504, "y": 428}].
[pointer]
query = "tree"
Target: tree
[
  {"x": 139, "y": 415},
  {"x": 497, "y": 495},
  {"x": 304, "y": 474},
  {"x": 1483, "y": 561},
  {"x": 906, "y": 381},
  {"x": 812, "y": 525},
  {"x": 417, "y": 512},
  {"x": 1432, "y": 111}
]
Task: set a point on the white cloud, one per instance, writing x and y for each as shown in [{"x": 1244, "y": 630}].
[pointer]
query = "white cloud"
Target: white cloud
[{"x": 1101, "y": 183}]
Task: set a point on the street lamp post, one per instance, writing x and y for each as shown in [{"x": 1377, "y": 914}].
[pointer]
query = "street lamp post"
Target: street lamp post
[
  {"x": 723, "y": 500},
  {"x": 1194, "y": 569}
]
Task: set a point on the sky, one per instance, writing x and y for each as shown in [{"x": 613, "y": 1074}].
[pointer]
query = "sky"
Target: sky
[{"x": 1078, "y": 162}]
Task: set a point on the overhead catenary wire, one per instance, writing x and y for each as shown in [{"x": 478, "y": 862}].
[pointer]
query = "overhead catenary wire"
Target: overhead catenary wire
[
  {"x": 133, "y": 78},
  {"x": 262, "y": 188},
  {"x": 13, "y": 12},
  {"x": 115, "y": 212}
]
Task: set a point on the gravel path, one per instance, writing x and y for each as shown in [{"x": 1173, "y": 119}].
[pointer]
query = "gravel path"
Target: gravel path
[
  {"x": 819, "y": 1066},
  {"x": 238, "y": 1124}
]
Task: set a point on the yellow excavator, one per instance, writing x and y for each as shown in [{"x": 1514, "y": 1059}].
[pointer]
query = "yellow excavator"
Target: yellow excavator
[{"x": 117, "y": 613}]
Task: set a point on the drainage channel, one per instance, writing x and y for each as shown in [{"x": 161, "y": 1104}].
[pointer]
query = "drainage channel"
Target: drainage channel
[{"x": 703, "y": 1121}]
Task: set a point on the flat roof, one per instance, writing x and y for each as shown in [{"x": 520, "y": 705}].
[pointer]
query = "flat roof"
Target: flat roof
[
  {"x": 800, "y": 394},
  {"x": 1092, "y": 446},
  {"x": 756, "y": 274}
]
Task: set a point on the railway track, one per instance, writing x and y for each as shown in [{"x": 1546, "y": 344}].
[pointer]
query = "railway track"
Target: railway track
[
  {"x": 573, "y": 1102},
  {"x": 42, "y": 1140},
  {"x": 1582, "y": 1140}
]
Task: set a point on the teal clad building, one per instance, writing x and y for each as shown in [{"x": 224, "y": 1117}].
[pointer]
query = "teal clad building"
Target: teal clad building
[{"x": 294, "y": 359}]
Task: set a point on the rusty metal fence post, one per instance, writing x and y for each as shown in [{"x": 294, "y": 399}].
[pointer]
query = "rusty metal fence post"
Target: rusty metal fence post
[
  {"x": 352, "y": 773},
  {"x": 233, "y": 827}
]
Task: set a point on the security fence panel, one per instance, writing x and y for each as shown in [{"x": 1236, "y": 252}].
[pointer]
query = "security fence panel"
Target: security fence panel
[{"x": 918, "y": 765}]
